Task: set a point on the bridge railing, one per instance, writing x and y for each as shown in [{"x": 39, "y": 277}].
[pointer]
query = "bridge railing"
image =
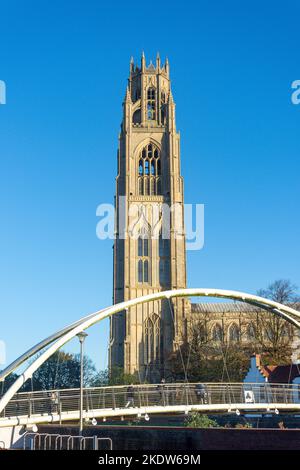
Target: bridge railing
[{"x": 137, "y": 396}]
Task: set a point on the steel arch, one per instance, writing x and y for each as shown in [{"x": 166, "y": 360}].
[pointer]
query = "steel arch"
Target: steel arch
[{"x": 66, "y": 334}]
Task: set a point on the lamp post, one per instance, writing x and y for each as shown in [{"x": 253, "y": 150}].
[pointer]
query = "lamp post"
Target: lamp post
[{"x": 81, "y": 336}]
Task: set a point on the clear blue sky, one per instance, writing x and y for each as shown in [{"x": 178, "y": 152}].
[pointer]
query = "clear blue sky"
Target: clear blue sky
[{"x": 65, "y": 65}]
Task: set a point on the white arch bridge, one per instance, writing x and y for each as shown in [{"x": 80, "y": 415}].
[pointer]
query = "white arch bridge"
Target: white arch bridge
[{"x": 17, "y": 408}]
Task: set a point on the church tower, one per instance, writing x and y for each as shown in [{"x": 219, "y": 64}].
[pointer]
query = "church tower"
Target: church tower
[{"x": 147, "y": 257}]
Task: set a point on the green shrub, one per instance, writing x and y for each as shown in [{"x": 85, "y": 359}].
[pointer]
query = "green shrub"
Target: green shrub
[{"x": 198, "y": 420}]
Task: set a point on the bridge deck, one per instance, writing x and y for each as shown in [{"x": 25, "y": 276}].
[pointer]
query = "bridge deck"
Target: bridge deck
[{"x": 63, "y": 405}]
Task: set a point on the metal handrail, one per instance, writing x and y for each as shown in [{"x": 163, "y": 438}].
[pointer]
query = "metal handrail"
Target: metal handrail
[
  {"x": 146, "y": 385},
  {"x": 120, "y": 397}
]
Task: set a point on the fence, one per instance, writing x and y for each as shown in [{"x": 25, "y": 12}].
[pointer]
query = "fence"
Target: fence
[{"x": 42, "y": 441}]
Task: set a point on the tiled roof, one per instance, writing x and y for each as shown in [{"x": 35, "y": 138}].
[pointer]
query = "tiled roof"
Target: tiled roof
[
  {"x": 278, "y": 374},
  {"x": 222, "y": 307},
  {"x": 229, "y": 307}
]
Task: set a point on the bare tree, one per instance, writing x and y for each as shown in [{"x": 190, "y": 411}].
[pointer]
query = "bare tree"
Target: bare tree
[
  {"x": 273, "y": 334},
  {"x": 207, "y": 358},
  {"x": 282, "y": 291}
]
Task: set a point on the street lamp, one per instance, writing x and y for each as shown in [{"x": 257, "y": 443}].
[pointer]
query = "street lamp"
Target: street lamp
[{"x": 81, "y": 336}]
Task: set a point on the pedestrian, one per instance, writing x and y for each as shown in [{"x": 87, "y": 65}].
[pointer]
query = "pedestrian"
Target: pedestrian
[
  {"x": 130, "y": 396},
  {"x": 161, "y": 390}
]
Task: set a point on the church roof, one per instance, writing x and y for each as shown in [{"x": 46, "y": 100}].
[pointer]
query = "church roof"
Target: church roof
[
  {"x": 222, "y": 307},
  {"x": 229, "y": 307}
]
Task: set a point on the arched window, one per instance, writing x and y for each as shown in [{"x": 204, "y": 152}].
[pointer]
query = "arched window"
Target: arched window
[
  {"x": 152, "y": 340},
  {"x": 217, "y": 333},
  {"x": 149, "y": 171},
  {"x": 234, "y": 333},
  {"x": 143, "y": 253},
  {"x": 151, "y": 114},
  {"x": 251, "y": 332}
]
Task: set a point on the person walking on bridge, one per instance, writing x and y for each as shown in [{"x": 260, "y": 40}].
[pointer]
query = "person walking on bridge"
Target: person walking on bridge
[{"x": 130, "y": 396}]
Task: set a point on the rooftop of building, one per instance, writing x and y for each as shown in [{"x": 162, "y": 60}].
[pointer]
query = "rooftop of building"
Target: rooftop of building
[
  {"x": 278, "y": 373},
  {"x": 230, "y": 307}
]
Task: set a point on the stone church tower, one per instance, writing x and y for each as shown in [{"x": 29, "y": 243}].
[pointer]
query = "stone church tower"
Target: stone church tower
[{"x": 148, "y": 258}]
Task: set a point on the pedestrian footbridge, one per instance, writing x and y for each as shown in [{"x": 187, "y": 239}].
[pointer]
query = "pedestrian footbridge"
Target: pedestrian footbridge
[
  {"x": 22, "y": 410},
  {"x": 142, "y": 401}
]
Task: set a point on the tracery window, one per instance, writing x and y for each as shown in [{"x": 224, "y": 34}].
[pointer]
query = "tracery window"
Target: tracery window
[
  {"x": 149, "y": 171},
  {"x": 234, "y": 333},
  {"x": 217, "y": 333},
  {"x": 152, "y": 339},
  {"x": 251, "y": 332}
]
